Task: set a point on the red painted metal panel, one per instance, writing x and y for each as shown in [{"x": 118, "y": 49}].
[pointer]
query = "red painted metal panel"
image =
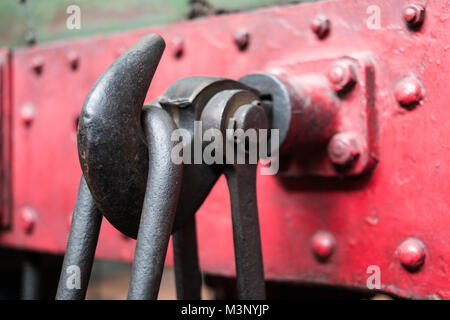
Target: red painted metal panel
[
  {"x": 405, "y": 196},
  {"x": 5, "y": 138}
]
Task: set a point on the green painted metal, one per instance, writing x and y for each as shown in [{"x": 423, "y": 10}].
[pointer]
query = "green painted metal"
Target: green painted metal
[{"x": 45, "y": 20}]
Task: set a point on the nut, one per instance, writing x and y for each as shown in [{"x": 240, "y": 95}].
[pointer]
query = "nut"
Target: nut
[
  {"x": 343, "y": 149},
  {"x": 342, "y": 75}
]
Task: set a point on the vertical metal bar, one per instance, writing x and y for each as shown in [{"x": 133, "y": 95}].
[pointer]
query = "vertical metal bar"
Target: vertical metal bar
[
  {"x": 80, "y": 252},
  {"x": 31, "y": 278},
  {"x": 188, "y": 278},
  {"x": 160, "y": 204},
  {"x": 241, "y": 181}
]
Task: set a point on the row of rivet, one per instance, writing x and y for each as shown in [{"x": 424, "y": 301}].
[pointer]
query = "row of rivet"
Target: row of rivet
[
  {"x": 411, "y": 251},
  {"x": 413, "y": 15}
]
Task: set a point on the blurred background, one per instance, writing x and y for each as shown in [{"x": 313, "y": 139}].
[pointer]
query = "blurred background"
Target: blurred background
[{"x": 25, "y": 22}]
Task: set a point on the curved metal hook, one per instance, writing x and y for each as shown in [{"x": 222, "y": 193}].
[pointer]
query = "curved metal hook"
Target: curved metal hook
[{"x": 111, "y": 144}]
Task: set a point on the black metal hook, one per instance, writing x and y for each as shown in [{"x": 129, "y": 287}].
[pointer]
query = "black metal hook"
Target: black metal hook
[
  {"x": 111, "y": 144},
  {"x": 159, "y": 208},
  {"x": 126, "y": 163}
]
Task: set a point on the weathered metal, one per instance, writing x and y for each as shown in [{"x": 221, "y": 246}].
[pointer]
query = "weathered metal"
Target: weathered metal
[
  {"x": 222, "y": 108},
  {"x": 412, "y": 254},
  {"x": 321, "y": 26},
  {"x": 414, "y": 15},
  {"x": 241, "y": 181},
  {"x": 323, "y": 245},
  {"x": 409, "y": 92},
  {"x": 322, "y": 107},
  {"x": 6, "y": 92},
  {"x": 80, "y": 251},
  {"x": 188, "y": 279},
  {"x": 344, "y": 149},
  {"x": 217, "y": 102},
  {"x": 405, "y": 195},
  {"x": 31, "y": 279},
  {"x": 159, "y": 207},
  {"x": 111, "y": 146}
]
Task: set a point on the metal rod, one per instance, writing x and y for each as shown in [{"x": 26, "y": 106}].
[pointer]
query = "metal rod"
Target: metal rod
[
  {"x": 31, "y": 278},
  {"x": 241, "y": 181},
  {"x": 188, "y": 278},
  {"x": 80, "y": 252},
  {"x": 160, "y": 203}
]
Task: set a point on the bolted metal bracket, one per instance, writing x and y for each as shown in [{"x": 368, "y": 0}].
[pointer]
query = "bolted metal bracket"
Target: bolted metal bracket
[{"x": 333, "y": 115}]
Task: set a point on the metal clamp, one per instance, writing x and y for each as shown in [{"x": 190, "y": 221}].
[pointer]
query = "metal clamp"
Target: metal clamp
[{"x": 124, "y": 152}]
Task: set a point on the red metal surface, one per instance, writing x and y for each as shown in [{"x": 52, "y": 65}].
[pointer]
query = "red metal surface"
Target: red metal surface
[
  {"x": 355, "y": 109},
  {"x": 5, "y": 138},
  {"x": 368, "y": 217}
]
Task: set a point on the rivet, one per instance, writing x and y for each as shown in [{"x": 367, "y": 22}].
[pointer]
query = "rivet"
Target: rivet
[
  {"x": 30, "y": 38},
  {"x": 28, "y": 219},
  {"x": 409, "y": 92},
  {"x": 412, "y": 254},
  {"x": 323, "y": 245},
  {"x": 342, "y": 75},
  {"x": 73, "y": 59},
  {"x": 343, "y": 149},
  {"x": 178, "y": 47},
  {"x": 241, "y": 39},
  {"x": 321, "y": 26},
  {"x": 414, "y": 15},
  {"x": 37, "y": 64},
  {"x": 27, "y": 113}
]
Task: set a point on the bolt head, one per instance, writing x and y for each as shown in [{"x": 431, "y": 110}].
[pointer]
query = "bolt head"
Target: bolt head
[
  {"x": 323, "y": 245},
  {"x": 412, "y": 254},
  {"x": 409, "y": 14},
  {"x": 414, "y": 15},
  {"x": 343, "y": 149},
  {"x": 73, "y": 58},
  {"x": 321, "y": 26},
  {"x": 28, "y": 219},
  {"x": 37, "y": 64},
  {"x": 342, "y": 75},
  {"x": 409, "y": 92},
  {"x": 30, "y": 38},
  {"x": 250, "y": 116},
  {"x": 178, "y": 47},
  {"x": 27, "y": 113},
  {"x": 241, "y": 39}
]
